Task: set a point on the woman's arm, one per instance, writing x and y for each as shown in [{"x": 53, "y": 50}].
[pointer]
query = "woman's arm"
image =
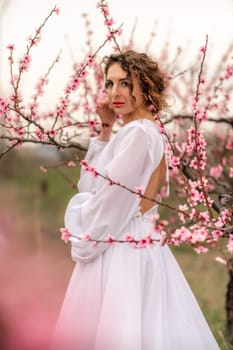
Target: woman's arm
[
  {"x": 105, "y": 133},
  {"x": 109, "y": 209},
  {"x": 107, "y": 117}
]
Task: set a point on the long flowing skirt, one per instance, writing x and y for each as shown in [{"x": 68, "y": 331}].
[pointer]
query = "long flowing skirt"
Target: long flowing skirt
[{"x": 131, "y": 299}]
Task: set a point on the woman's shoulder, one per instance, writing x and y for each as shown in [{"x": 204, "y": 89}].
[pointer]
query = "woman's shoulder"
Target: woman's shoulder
[{"x": 140, "y": 127}]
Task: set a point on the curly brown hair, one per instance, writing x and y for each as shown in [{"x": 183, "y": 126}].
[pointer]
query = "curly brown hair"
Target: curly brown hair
[{"x": 152, "y": 79}]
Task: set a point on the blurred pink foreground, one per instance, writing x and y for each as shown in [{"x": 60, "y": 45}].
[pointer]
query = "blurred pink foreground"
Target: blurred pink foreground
[{"x": 35, "y": 269}]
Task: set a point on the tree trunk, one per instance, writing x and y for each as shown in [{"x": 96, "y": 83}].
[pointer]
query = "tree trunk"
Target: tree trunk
[
  {"x": 229, "y": 304},
  {"x": 226, "y": 202}
]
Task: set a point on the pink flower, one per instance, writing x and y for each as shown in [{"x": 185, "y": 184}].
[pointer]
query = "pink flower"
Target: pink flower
[
  {"x": 110, "y": 35},
  {"x": 182, "y": 234},
  {"x": 175, "y": 161},
  {"x": 16, "y": 97},
  {"x": 39, "y": 134},
  {"x": 86, "y": 237},
  {"x": 84, "y": 164},
  {"x": 110, "y": 239},
  {"x": 226, "y": 216},
  {"x": 71, "y": 164},
  {"x": 229, "y": 72},
  {"x": 230, "y": 244},
  {"x": 128, "y": 237},
  {"x": 92, "y": 124},
  {"x": 195, "y": 197},
  {"x": 90, "y": 61},
  {"x": 201, "y": 249},
  {"x": 194, "y": 163},
  {"x": 42, "y": 168},
  {"x": 229, "y": 144},
  {"x": 109, "y": 22},
  {"x": 194, "y": 103},
  {"x": 163, "y": 239},
  {"x": 191, "y": 132},
  {"x": 38, "y": 31},
  {"x": 140, "y": 191},
  {"x": 142, "y": 243},
  {"x": 25, "y": 62},
  {"x": 11, "y": 47},
  {"x": 231, "y": 172},
  {"x": 219, "y": 223},
  {"x": 9, "y": 119},
  {"x": 202, "y": 142},
  {"x": 83, "y": 74},
  {"x": 52, "y": 133},
  {"x": 169, "y": 76},
  {"x": 182, "y": 208},
  {"x": 33, "y": 41},
  {"x": 93, "y": 171},
  {"x": 216, "y": 172},
  {"x": 204, "y": 216},
  {"x": 158, "y": 226},
  {"x": 200, "y": 234},
  {"x": 57, "y": 11},
  {"x": 3, "y": 106},
  {"x": 161, "y": 126},
  {"x": 149, "y": 239},
  {"x": 217, "y": 234},
  {"x": 190, "y": 148},
  {"x": 200, "y": 115},
  {"x": 221, "y": 260},
  {"x": 65, "y": 234},
  {"x": 202, "y": 80},
  {"x": 203, "y": 49},
  {"x": 39, "y": 86},
  {"x": 73, "y": 84},
  {"x": 151, "y": 108}
]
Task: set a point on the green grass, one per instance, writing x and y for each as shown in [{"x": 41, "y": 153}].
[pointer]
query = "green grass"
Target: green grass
[
  {"x": 208, "y": 280},
  {"x": 52, "y": 189}
]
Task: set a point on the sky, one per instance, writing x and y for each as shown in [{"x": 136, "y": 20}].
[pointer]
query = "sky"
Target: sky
[{"x": 183, "y": 23}]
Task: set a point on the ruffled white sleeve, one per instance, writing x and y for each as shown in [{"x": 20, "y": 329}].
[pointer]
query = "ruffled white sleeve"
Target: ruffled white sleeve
[
  {"x": 95, "y": 148},
  {"x": 109, "y": 209},
  {"x": 93, "y": 154}
]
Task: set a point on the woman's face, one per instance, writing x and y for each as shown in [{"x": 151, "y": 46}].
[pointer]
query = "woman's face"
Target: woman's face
[{"x": 117, "y": 86}]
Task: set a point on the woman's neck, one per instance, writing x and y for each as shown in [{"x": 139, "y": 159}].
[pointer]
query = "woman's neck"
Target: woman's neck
[{"x": 142, "y": 113}]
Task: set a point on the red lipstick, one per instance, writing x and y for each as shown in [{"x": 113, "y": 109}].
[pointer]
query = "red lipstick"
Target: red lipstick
[{"x": 117, "y": 104}]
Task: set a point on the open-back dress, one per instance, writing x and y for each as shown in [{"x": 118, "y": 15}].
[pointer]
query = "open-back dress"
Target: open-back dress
[{"x": 121, "y": 297}]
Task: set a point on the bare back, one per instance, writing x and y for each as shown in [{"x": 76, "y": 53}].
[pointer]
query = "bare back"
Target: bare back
[{"x": 157, "y": 179}]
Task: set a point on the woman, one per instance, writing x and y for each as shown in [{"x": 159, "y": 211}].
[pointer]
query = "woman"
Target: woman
[{"x": 121, "y": 297}]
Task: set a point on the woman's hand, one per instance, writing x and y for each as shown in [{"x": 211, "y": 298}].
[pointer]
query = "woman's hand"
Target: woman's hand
[{"x": 106, "y": 114}]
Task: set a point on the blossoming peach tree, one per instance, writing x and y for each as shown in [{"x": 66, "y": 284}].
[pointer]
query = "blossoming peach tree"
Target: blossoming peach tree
[{"x": 198, "y": 129}]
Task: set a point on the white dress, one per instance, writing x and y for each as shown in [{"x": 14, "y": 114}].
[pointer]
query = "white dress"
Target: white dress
[{"x": 121, "y": 297}]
